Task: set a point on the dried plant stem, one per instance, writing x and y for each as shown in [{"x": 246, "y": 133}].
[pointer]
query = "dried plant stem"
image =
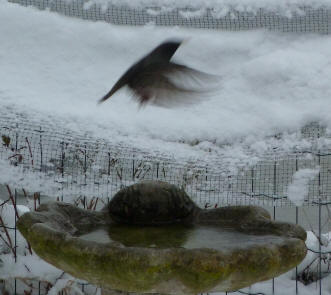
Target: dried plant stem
[
  {"x": 13, "y": 200},
  {"x": 30, "y": 151},
  {"x": 9, "y": 242}
]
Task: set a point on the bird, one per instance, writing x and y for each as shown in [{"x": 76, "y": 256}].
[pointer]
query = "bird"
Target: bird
[{"x": 156, "y": 79}]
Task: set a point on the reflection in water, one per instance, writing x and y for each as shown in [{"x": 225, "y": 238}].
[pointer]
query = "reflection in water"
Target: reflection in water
[
  {"x": 151, "y": 236},
  {"x": 99, "y": 235},
  {"x": 189, "y": 237}
]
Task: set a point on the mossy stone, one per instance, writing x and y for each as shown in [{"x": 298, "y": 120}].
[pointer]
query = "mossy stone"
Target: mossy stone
[
  {"x": 151, "y": 203},
  {"x": 168, "y": 257}
]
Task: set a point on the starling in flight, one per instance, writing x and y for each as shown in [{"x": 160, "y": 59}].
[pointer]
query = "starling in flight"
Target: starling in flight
[{"x": 155, "y": 79}]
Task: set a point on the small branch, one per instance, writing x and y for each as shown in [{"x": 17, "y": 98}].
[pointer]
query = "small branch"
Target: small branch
[
  {"x": 318, "y": 252},
  {"x": 16, "y": 213},
  {"x": 3, "y": 239},
  {"x": 13, "y": 200},
  {"x": 29, "y": 247},
  {"x": 5, "y": 202},
  {"x": 27, "y": 141},
  {"x": 309, "y": 265},
  {"x": 27, "y": 268},
  {"x": 95, "y": 204},
  {"x": 9, "y": 241},
  {"x": 20, "y": 157},
  {"x": 25, "y": 193}
]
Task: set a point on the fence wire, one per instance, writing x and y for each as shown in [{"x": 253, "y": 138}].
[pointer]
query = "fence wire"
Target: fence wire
[
  {"x": 315, "y": 271},
  {"x": 69, "y": 164},
  {"x": 303, "y": 19},
  {"x": 77, "y": 166}
]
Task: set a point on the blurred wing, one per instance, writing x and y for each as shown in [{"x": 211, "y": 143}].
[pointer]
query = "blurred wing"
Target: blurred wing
[
  {"x": 192, "y": 78},
  {"x": 172, "y": 86}
]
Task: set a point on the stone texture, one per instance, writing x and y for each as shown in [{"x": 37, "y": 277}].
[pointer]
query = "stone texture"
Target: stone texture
[
  {"x": 151, "y": 202},
  {"x": 164, "y": 258},
  {"x": 249, "y": 219}
]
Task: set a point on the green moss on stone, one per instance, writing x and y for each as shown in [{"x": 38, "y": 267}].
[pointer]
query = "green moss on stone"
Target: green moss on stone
[{"x": 134, "y": 266}]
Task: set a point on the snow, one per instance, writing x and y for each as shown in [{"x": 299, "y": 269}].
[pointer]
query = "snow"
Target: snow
[
  {"x": 17, "y": 177},
  {"x": 219, "y": 8},
  {"x": 298, "y": 189},
  {"x": 37, "y": 269},
  {"x": 31, "y": 267},
  {"x": 54, "y": 69},
  {"x": 7, "y": 214},
  {"x": 65, "y": 284},
  {"x": 28, "y": 266},
  {"x": 311, "y": 259}
]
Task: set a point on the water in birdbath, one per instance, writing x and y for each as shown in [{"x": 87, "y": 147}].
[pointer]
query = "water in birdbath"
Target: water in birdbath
[{"x": 188, "y": 237}]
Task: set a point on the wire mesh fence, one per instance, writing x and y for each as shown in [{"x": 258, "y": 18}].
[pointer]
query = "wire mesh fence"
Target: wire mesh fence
[
  {"x": 72, "y": 165},
  {"x": 314, "y": 272},
  {"x": 301, "y": 19},
  {"x": 83, "y": 170},
  {"x": 79, "y": 168}
]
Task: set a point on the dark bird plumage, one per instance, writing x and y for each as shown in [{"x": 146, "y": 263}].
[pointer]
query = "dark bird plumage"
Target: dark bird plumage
[{"x": 155, "y": 79}]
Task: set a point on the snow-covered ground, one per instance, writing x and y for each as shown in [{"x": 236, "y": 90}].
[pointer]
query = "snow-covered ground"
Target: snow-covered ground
[{"x": 56, "y": 68}]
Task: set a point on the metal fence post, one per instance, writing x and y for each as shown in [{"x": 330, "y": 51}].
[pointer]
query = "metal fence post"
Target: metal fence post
[
  {"x": 41, "y": 149},
  {"x": 62, "y": 168},
  {"x": 15, "y": 239},
  {"x": 320, "y": 242},
  {"x": 296, "y": 268}
]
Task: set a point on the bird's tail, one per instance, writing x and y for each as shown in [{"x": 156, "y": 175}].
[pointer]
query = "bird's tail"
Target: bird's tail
[{"x": 119, "y": 84}]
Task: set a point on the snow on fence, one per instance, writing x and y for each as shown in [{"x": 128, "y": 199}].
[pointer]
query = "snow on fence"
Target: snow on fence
[
  {"x": 67, "y": 165},
  {"x": 238, "y": 16},
  {"x": 39, "y": 163}
]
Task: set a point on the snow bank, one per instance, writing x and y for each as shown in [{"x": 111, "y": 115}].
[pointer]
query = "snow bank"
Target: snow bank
[
  {"x": 56, "y": 68},
  {"x": 298, "y": 190},
  {"x": 7, "y": 214},
  {"x": 28, "y": 267},
  {"x": 17, "y": 177},
  {"x": 311, "y": 260}
]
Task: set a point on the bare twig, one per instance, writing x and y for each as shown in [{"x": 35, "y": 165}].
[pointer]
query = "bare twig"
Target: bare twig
[
  {"x": 5, "y": 202},
  {"x": 10, "y": 243},
  {"x": 95, "y": 204},
  {"x": 19, "y": 157},
  {"x": 29, "y": 247},
  {"x": 16, "y": 211},
  {"x": 25, "y": 193},
  {"x": 13, "y": 200},
  {"x": 317, "y": 252},
  {"x": 27, "y": 141},
  {"x": 6, "y": 242}
]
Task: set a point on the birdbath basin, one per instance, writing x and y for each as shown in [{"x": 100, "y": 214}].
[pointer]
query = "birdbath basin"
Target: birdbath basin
[{"x": 152, "y": 238}]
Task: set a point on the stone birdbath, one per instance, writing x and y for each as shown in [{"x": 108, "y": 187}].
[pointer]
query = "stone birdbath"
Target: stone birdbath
[{"x": 152, "y": 238}]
